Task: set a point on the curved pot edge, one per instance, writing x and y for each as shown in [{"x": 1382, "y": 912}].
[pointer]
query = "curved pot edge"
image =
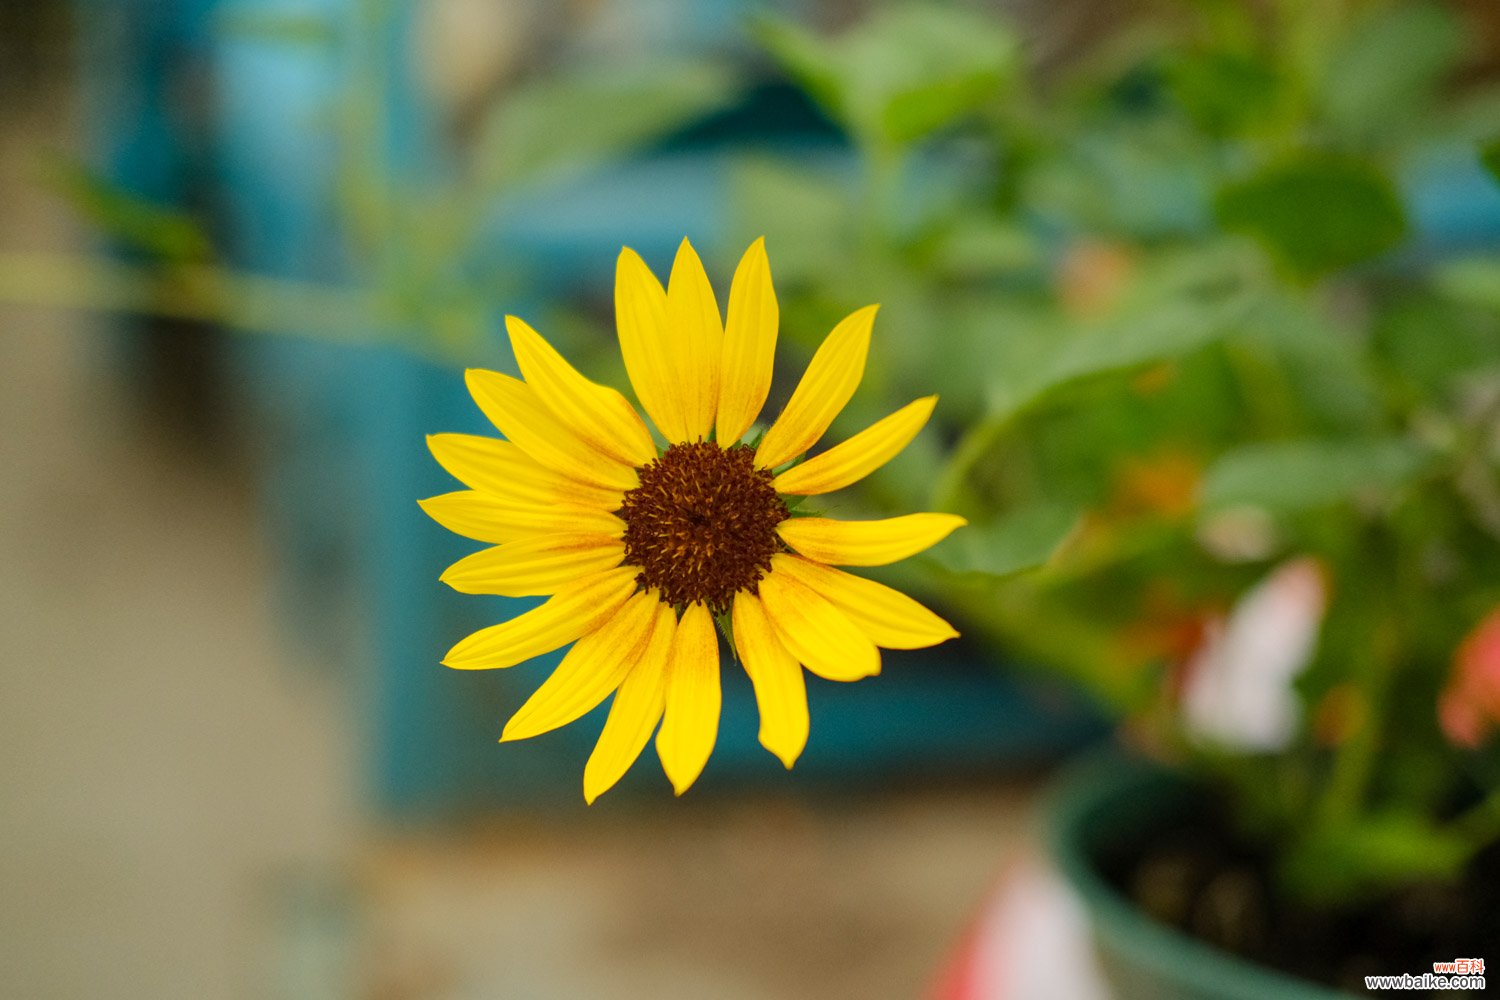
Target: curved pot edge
[{"x": 1095, "y": 783}]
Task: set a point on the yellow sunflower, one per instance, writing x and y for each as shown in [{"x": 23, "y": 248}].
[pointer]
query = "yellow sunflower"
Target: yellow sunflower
[{"x": 640, "y": 548}]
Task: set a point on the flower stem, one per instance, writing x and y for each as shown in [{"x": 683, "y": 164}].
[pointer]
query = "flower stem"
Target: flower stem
[
  {"x": 1354, "y": 761},
  {"x": 250, "y": 303},
  {"x": 972, "y": 447}
]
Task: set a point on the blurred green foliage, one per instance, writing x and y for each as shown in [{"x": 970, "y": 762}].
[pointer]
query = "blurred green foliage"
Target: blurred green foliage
[
  {"x": 901, "y": 75},
  {"x": 1490, "y": 155},
  {"x": 155, "y": 231},
  {"x": 1316, "y": 213},
  {"x": 1170, "y": 295},
  {"x": 419, "y": 211},
  {"x": 608, "y": 110}
]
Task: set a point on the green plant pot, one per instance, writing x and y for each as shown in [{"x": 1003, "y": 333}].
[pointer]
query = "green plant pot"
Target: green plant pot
[{"x": 1104, "y": 801}]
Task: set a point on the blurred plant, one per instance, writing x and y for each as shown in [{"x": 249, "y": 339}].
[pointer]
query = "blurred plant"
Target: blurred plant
[
  {"x": 1186, "y": 332},
  {"x": 420, "y": 202}
]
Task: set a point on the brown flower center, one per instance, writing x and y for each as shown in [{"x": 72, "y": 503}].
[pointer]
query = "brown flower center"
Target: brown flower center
[{"x": 702, "y": 524}]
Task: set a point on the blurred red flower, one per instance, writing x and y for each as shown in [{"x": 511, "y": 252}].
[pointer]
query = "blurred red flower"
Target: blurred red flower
[{"x": 1470, "y": 705}]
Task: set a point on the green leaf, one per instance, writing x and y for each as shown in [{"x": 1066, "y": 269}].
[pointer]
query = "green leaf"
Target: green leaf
[
  {"x": 1174, "y": 306},
  {"x": 1388, "y": 69},
  {"x": 806, "y": 58},
  {"x": 161, "y": 231},
  {"x": 1434, "y": 339},
  {"x": 1337, "y": 864},
  {"x": 1473, "y": 281},
  {"x": 1020, "y": 540},
  {"x": 573, "y": 119},
  {"x": 1307, "y": 374},
  {"x": 1032, "y": 364},
  {"x": 1224, "y": 92},
  {"x": 1316, "y": 212},
  {"x": 1489, "y": 155},
  {"x": 1291, "y": 476},
  {"x": 903, "y": 73},
  {"x": 1146, "y": 180}
]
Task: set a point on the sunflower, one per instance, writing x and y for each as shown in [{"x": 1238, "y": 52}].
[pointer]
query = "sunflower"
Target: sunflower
[{"x": 640, "y": 549}]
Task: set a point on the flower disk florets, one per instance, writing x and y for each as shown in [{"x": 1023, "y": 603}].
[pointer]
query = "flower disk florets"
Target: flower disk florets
[{"x": 702, "y": 524}]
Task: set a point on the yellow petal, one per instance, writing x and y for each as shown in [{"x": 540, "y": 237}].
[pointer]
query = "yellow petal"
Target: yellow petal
[
  {"x": 830, "y": 379},
  {"x": 575, "y": 610},
  {"x": 504, "y": 471},
  {"x": 749, "y": 345},
  {"x": 636, "y": 710},
  {"x": 780, "y": 691},
  {"x": 888, "y": 617},
  {"x": 862, "y": 454},
  {"x": 814, "y": 631},
  {"x": 641, "y": 319},
  {"x": 542, "y": 564},
  {"x": 599, "y": 415},
  {"x": 691, "y": 722},
  {"x": 695, "y": 342},
  {"x": 866, "y": 543},
  {"x": 589, "y": 673},
  {"x": 485, "y": 518},
  {"x": 514, "y": 407}
]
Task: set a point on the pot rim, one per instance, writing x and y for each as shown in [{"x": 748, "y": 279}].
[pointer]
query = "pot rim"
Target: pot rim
[{"x": 1087, "y": 788}]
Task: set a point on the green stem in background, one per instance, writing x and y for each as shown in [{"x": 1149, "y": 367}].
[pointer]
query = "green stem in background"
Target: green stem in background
[
  {"x": 1354, "y": 761},
  {"x": 192, "y": 292},
  {"x": 1307, "y": 31},
  {"x": 977, "y": 442},
  {"x": 1267, "y": 395},
  {"x": 368, "y": 198},
  {"x": 245, "y": 303},
  {"x": 1028, "y": 628}
]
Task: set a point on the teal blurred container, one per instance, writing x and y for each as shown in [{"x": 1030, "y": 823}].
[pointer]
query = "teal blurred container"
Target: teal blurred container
[{"x": 1110, "y": 799}]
